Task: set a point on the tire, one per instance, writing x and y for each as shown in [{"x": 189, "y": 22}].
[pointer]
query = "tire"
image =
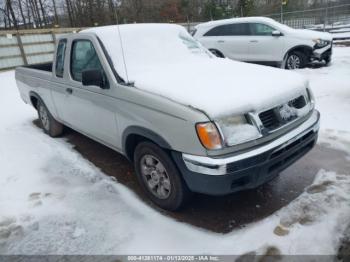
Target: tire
[
  {"x": 159, "y": 177},
  {"x": 217, "y": 53},
  {"x": 328, "y": 61},
  {"x": 48, "y": 123},
  {"x": 296, "y": 60}
]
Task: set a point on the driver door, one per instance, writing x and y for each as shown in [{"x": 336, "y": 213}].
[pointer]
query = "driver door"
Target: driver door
[
  {"x": 263, "y": 46},
  {"x": 89, "y": 109}
]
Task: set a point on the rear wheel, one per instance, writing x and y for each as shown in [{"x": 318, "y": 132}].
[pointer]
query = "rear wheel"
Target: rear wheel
[
  {"x": 159, "y": 177},
  {"x": 296, "y": 60},
  {"x": 48, "y": 123}
]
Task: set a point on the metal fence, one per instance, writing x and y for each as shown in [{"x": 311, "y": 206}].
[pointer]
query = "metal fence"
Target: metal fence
[
  {"x": 25, "y": 47},
  {"x": 326, "y": 18},
  {"x": 35, "y": 46}
]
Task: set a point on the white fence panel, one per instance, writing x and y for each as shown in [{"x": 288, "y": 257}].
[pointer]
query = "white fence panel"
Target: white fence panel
[{"x": 25, "y": 47}]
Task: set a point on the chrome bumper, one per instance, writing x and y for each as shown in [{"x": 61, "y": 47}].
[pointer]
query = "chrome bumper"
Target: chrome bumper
[{"x": 218, "y": 166}]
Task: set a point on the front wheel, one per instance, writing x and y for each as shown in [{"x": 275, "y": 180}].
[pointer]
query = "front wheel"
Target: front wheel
[
  {"x": 159, "y": 177},
  {"x": 296, "y": 60},
  {"x": 217, "y": 53},
  {"x": 328, "y": 61},
  {"x": 48, "y": 123}
]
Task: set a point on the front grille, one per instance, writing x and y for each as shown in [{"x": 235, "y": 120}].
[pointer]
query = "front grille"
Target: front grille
[
  {"x": 269, "y": 119},
  {"x": 298, "y": 103},
  {"x": 272, "y": 119}
]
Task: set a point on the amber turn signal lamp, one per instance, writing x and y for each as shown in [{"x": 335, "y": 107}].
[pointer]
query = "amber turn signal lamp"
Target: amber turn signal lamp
[{"x": 209, "y": 135}]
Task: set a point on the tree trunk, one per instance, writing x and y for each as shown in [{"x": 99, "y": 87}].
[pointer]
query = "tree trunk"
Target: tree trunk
[
  {"x": 69, "y": 13},
  {"x": 43, "y": 12},
  {"x": 91, "y": 12},
  {"x": 22, "y": 14},
  {"x": 14, "y": 20},
  {"x": 29, "y": 15},
  {"x": 35, "y": 10},
  {"x": 5, "y": 18},
  {"x": 112, "y": 11},
  {"x": 73, "y": 13},
  {"x": 55, "y": 11},
  {"x": 38, "y": 12}
]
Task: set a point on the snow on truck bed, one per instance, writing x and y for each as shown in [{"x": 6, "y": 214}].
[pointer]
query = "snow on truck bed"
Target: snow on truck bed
[
  {"x": 53, "y": 201},
  {"x": 166, "y": 60}
]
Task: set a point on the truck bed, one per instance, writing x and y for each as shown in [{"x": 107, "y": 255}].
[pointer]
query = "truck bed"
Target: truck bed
[
  {"x": 34, "y": 78},
  {"x": 43, "y": 67}
]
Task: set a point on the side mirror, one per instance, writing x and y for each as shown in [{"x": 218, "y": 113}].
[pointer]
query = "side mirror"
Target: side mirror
[
  {"x": 276, "y": 33},
  {"x": 94, "y": 77}
]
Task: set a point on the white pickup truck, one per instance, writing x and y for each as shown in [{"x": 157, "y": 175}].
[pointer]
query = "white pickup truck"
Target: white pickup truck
[{"x": 189, "y": 121}]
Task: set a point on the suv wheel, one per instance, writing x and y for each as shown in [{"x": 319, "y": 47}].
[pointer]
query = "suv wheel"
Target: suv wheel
[
  {"x": 48, "y": 123},
  {"x": 159, "y": 177},
  {"x": 296, "y": 60},
  {"x": 328, "y": 61},
  {"x": 217, "y": 53}
]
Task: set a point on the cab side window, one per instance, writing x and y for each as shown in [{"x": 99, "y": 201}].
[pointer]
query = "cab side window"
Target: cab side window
[
  {"x": 83, "y": 57},
  {"x": 261, "y": 29},
  {"x": 60, "y": 56}
]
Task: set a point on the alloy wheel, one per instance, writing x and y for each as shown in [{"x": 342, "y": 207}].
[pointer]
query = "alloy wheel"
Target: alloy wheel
[
  {"x": 293, "y": 62},
  {"x": 44, "y": 117},
  {"x": 155, "y": 176}
]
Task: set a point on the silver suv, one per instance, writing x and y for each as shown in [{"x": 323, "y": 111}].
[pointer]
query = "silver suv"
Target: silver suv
[{"x": 189, "y": 121}]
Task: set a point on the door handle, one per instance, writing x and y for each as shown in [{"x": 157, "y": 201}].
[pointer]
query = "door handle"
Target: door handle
[
  {"x": 254, "y": 41},
  {"x": 221, "y": 41},
  {"x": 69, "y": 90}
]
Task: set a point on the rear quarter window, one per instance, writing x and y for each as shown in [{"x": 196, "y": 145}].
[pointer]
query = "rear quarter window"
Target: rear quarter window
[{"x": 60, "y": 57}]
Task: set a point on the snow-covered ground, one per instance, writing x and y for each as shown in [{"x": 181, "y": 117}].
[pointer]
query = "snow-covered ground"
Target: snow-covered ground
[{"x": 53, "y": 201}]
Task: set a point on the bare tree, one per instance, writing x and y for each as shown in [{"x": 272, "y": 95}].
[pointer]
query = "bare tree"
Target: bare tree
[
  {"x": 22, "y": 13},
  {"x": 42, "y": 11},
  {"x": 69, "y": 11},
  {"x": 12, "y": 13},
  {"x": 29, "y": 14},
  {"x": 55, "y": 11}
]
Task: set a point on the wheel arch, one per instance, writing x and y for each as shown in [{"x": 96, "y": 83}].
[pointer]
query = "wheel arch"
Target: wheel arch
[
  {"x": 307, "y": 50},
  {"x": 133, "y": 135},
  {"x": 34, "y": 99},
  {"x": 221, "y": 54}
]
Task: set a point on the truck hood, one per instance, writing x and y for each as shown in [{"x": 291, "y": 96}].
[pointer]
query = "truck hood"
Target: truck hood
[
  {"x": 221, "y": 87},
  {"x": 165, "y": 60}
]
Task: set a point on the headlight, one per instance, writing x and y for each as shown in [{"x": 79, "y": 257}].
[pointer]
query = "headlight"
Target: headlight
[
  {"x": 319, "y": 43},
  {"x": 237, "y": 130},
  {"x": 209, "y": 135},
  {"x": 311, "y": 97}
]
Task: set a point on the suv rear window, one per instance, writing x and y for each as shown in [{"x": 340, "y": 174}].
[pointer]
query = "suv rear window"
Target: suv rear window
[{"x": 229, "y": 30}]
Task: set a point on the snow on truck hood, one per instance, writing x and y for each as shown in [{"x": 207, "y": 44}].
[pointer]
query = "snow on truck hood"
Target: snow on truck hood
[{"x": 164, "y": 59}]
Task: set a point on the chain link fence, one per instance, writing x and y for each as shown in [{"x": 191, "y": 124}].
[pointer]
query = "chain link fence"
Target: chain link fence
[{"x": 326, "y": 18}]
